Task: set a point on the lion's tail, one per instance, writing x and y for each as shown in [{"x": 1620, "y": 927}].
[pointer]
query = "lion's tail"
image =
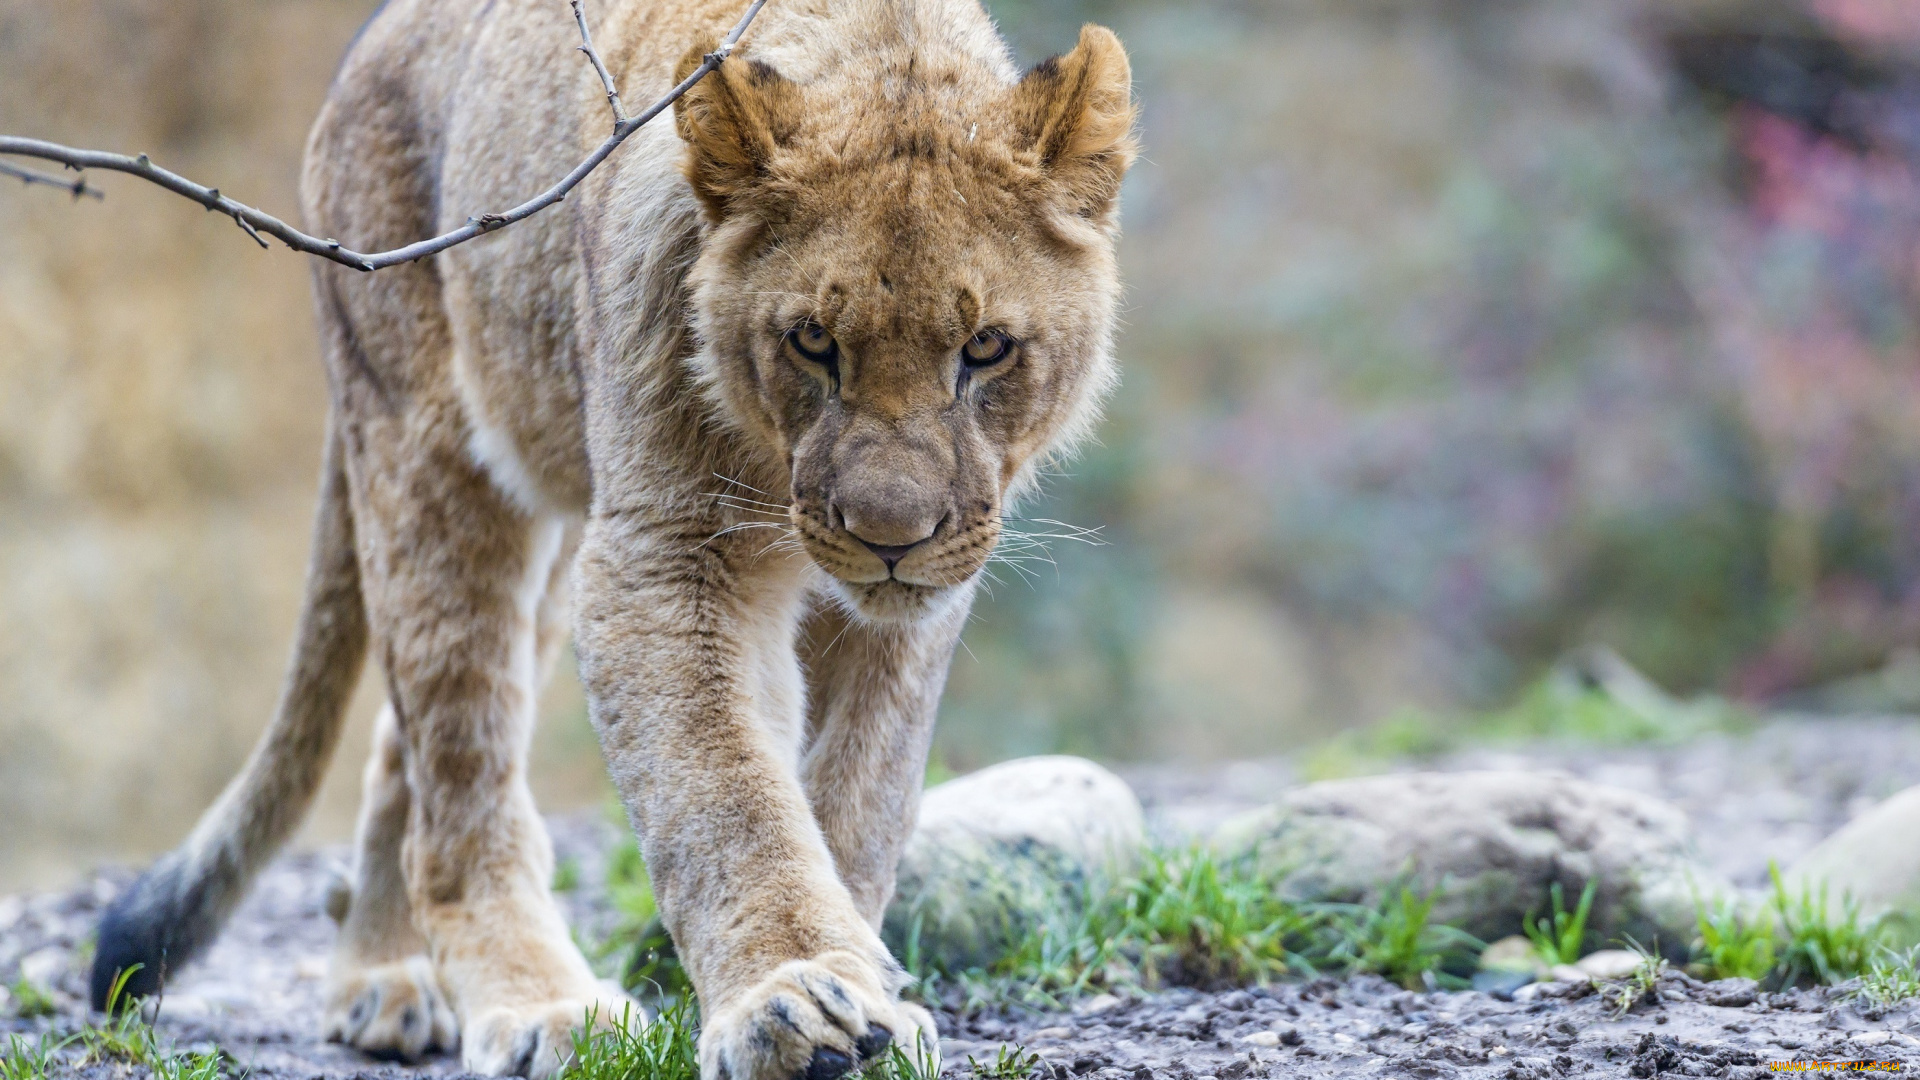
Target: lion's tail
[{"x": 175, "y": 908}]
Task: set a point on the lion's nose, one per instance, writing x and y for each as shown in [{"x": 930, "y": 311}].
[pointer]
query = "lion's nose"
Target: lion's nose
[{"x": 891, "y": 554}]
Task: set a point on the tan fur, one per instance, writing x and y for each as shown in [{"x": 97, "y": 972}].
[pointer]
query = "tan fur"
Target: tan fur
[{"x": 776, "y": 557}]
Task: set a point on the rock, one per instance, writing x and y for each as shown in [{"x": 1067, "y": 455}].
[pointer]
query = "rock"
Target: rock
[
  {"x": 1489, "y": 845},
  {"x": 1513, "y": 953},
  {"x": 1610, "y": 964},
  {"x": 43, "y": 967},
  {"x": 1501, "y": 984},
  {"x": 1002, "y": 850},
  {"x": 1263, "y": 1038},
  {"x": 1875, "y": 859},
  {"x": 1567, "y": 973},
  {"x": 1732, "y": 993}
]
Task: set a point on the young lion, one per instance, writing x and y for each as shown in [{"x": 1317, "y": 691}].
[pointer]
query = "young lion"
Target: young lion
[{"x": 764, "y": 386}]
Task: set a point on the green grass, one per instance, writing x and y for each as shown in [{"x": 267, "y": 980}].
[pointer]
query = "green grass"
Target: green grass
[
  {"x": 1892, "y": 976},
  {"x": 1733, "y": 944},
  {"x": 123, "y": 1038},
  {"x": 621, "y": 1049},
  {"x": 1821, "y": 943},
  {"x": 34, "y": 1059},
  {"x": 29, "y": 1001},
  {"x": 667, "y": 1048},
  {"x": 1561, "y": 938},
  {"x": 1398, "y": 939},
  {"x": 1799, "y": 938},
  {"x": 1012, "y": 1063},
  {"x": 1188, "y": 918},
  {"x": 1638, "y": 986}
]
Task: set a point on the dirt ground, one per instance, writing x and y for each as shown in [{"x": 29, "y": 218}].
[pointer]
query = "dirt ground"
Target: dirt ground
[{"x": 1770, "y": 794}]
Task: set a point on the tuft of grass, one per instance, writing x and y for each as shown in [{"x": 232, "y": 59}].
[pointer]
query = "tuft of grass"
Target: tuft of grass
[
  {"x": 1820, "y": 944},
  {"x": 1186, "y": 918},
  {"x": 1642, "y": 985},
  {"x": 629, "y": 1048},
  {"x": 900, "y": 1063},
  {"x": 1399, "y": 940},
  {"x": 1012, "y": 1063},
  {"x": 1190, "y": 919},
  {"x": 29, "y": 1001},
  {"x": 125, "y": 1038},
  {"x": 1892, "y": 976},
  {"x": 32, "y": 1060},
  {"x": 1562, "y": 938},
  {"x": 1732, "y": 944}
]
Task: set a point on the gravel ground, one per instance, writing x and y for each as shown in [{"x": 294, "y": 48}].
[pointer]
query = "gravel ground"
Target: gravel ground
[{"x": 1770, "y": 794}]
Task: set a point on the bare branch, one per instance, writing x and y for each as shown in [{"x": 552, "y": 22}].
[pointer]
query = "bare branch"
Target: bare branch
[
  {"x": 258, "y": 221},
  {"x": 76, "y": 186},
  {"x": 606, "y": 78}
]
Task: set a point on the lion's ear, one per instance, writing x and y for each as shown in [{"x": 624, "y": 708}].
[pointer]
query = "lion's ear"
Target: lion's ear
[
  {"x": 1075, "y": 113},
  {"x": 732, "y": 122}
]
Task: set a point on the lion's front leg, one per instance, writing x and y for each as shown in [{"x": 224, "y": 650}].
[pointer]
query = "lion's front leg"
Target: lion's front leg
[
  {"x": 689, "y": 660},
  {"x": 872, "y": 694}
]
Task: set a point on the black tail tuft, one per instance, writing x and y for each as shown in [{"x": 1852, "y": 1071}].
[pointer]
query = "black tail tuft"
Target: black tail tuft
[{"x": 158, "y": 924}]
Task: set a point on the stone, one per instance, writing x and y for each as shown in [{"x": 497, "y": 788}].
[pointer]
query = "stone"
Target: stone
[
  {"x": 43, "y": 967},
  {"x": 1873, "y": 859},
  {"x": 1732, "y": 993},
  {"x": 1610, "y": 964},
  {"x": 1567, "y": 973},
  {"x": 1513, "y": 953},
  {"x": 1501, "y": 984},
  {"x": 1488, "y": 845},
  {"x": 1001, "y": 851},
  {"x": 1262, "y": 1038}
]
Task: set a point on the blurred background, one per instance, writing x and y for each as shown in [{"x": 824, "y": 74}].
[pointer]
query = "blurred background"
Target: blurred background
[{"x": 1461, "y": 335}]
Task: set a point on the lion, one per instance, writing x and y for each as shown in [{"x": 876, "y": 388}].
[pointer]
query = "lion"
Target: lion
[{"x": 758, "y": 396}]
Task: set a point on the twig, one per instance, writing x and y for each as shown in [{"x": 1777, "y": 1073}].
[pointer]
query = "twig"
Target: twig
[
  {"x": 257, "y": 221},
  {"x": 606, "y": 79},
  {"x": 76, "y": 186}
]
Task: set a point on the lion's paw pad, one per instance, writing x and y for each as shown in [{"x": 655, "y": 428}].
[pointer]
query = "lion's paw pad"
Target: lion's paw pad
[{"x": 392, "y": 1011}]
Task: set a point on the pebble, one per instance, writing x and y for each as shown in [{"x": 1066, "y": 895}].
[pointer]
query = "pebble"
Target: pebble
[
  {"x": 1263, "y": 1038},
  {"x": 43, "y": 966},
  {"x": 1610, "y": 964}
]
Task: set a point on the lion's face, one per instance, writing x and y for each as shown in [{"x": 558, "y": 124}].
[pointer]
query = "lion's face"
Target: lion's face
[{"x": 910, "y": 309}]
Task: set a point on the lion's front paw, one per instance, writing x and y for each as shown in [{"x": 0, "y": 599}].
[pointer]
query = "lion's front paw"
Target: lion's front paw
[
  {"x": 392, "y": 1011},
  {"x": 813, "y": 1019},
  {"x": 536, "y": 1041}
]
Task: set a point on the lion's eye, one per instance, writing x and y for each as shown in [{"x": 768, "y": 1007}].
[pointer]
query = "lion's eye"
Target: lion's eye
[
  {"x": 812, "y": 341},
  {"x": 986, "y": 348}
]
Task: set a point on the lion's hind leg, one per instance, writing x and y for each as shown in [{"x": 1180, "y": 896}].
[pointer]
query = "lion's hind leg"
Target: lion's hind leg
[
  {"x": 455, "y": 573},
  {"x": 382, "y": 995}
]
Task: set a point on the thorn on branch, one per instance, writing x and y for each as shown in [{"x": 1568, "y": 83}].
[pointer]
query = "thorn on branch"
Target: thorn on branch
[
  {"x": 75, "y": 187},
  {"x": 719, "y": 55},
  {"x": 242, "y": 222}
]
